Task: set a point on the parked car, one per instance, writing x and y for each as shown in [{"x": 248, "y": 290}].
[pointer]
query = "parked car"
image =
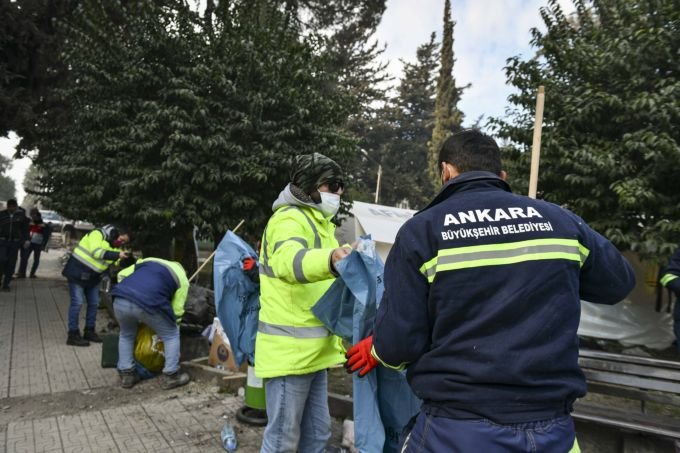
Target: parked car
[
  {"x": 77, "y": 225},
  {"x": 53, "y": 218}
]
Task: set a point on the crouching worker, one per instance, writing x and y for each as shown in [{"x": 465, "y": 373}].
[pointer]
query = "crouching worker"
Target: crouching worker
[{"x": 152, "y": 291}]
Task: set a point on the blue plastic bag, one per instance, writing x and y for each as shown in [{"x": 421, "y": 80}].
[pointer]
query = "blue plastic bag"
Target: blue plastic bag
[
  {"x": 237, "y": 298},
  {"x": 382, "y": 398}
]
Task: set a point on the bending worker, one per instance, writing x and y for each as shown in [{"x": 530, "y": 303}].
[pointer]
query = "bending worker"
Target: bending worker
[
  {"x": 482, "y": 304},
  {"x": 153, "y": 291},
  {"x": 93, "y": 255},
  {"x": 293, "y": 347}
]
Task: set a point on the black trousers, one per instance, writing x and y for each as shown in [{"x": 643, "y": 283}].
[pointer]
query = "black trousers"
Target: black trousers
[
  {"x": 36, "y": 249},
  {"x": 8, "y": 260}
]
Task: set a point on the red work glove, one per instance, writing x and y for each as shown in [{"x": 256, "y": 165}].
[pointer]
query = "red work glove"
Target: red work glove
[
  {"x": 249, "y": 263},
  {"x": 359, "y": 357}
]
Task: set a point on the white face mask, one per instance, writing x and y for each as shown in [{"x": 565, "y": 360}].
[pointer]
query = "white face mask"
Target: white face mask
[{"x": 330, "y": 203}]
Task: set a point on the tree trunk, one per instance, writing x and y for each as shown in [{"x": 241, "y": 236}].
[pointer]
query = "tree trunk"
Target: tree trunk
[
  {"x": 185, "y": 249},
  {"x": 154, "y": 244}
]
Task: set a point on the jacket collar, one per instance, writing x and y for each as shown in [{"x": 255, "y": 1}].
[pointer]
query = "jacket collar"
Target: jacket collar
[{"x": 469, "y": 180}]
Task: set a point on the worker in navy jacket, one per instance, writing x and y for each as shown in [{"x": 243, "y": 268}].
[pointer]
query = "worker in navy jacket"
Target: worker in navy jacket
[
  {"x": 482, "y": 305},
  {"x": 670, "y": 278},
  {"x": 153, "y": 291}
]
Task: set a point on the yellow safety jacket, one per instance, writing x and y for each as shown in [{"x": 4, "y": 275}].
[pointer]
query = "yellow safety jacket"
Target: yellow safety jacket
[
  {"x": 91, "y": 250},
  {"x": 295, "y": 272}
]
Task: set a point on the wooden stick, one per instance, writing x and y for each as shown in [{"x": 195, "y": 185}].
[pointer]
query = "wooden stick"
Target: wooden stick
[
  {"x": 536, "y": 146},
  {"x": 213, "y": 253}
]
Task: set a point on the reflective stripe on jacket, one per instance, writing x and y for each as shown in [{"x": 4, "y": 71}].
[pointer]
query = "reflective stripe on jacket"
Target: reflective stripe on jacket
[
  {"x": 154, "y": 283},
  {"x": 670, "y": 277},
  {"x": 91, "y": 251},
  {"x": 482, "y": 301},
  {"x": 90, "y": 259},
  {"x": 294, "y": 273}
]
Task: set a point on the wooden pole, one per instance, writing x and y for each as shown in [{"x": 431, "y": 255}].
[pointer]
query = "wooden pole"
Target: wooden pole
[
  {"x": 377, "y": 185},
  {"x": 536, "y": 145},
  {"x": 213, "y": 253}
]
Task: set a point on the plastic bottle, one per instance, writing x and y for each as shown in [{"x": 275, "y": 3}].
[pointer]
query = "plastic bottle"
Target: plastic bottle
[{"x": 229, "y": 437}]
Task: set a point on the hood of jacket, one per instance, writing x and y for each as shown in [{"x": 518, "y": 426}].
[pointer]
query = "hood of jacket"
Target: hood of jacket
[{"x": 286, "y": 198}]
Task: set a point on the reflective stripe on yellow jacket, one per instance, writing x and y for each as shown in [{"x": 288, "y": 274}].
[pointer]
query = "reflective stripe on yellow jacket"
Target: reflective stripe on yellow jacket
[
  {"x": 178, "y": 274},
  {"x": 294, "y": 273},
  {"x": 91, "y": 250}
]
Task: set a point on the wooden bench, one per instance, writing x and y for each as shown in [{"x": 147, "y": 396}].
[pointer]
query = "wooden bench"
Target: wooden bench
[{"x": 642, "y": 379}]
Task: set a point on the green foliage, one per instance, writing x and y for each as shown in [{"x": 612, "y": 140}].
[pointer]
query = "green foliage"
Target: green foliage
[
  {"x": 168, "y": 119},
  {"x": 447, "y": 117},
  {"x": 29, "y": 60},
  {"x": 31, "y": 185},
  {"x": 413, "y": 118},
  {"x": 7, "y": 186},
  {"x": 353, "y": 56},
  {"x": 611, "y": 143}
]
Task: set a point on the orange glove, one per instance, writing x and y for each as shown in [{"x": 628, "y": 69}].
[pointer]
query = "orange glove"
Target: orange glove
[{"x": 359, "y": 357}]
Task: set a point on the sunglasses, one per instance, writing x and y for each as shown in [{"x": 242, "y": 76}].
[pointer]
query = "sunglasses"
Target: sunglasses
[{"x": 336, "y": 186}]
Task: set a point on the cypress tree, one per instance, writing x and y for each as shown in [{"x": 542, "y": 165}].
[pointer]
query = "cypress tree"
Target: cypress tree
[{"x": 447, "y": 117}]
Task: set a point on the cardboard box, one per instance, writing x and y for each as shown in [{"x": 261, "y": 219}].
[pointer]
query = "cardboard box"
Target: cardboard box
[{"x": 220, "y": 352}]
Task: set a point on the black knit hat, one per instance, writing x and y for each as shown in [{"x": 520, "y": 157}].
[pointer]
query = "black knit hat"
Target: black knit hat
[{"x": 312, "y": 170}]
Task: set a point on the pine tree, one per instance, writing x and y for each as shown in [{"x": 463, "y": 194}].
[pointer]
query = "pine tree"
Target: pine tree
[
  {"x": 412, "y": 117},
  {"x": 448, "y": 118}
]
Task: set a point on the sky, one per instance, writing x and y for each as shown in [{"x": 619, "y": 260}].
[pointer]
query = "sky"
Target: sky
[{"x": 487, "y": 33}]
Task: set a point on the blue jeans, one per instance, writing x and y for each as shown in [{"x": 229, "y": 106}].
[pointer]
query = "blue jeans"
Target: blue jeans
[
  {"x": 297, "y": 412},
  {"x": 80, "y": 294},
  {"x": 129, "y": 315},
  {"x": 431, "y": 434}
]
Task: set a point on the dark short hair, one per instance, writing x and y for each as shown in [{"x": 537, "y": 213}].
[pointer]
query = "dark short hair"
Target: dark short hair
[
  {"x": 471, "y": 150},
  {"x": 12, "y": 202}
]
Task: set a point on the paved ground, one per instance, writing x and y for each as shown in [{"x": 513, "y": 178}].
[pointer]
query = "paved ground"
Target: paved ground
[{"x": 57, "y": 398}]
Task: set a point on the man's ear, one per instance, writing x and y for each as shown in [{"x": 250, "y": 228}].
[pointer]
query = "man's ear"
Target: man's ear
[{"x": 503, "y": 175}]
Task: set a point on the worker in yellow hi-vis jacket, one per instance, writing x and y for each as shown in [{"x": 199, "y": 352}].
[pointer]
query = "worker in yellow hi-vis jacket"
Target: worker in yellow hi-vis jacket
[{"x": 293, "y": 348}]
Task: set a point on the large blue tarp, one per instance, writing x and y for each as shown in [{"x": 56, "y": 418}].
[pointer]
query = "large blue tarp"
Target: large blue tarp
[
  {"x": 237, "y": 298},
  {"x": 383, "y": 400}
]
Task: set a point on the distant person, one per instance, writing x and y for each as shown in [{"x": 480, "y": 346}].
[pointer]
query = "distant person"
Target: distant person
[
  {"x": 152, "y": 291},
  {"x": 670, "y": 278},
  {"x": 13, "y": 235},
  {"x": 93, "y": 255},
  {"x": 39, "y": 234}
]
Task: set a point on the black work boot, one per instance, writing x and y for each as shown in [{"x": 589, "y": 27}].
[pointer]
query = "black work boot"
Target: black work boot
[
  {"x": 176, "y": 379},
  {"x": 74, "y": 339},
  {"x": 128, "y": 378},
  {"x": 91, "y": 335}
]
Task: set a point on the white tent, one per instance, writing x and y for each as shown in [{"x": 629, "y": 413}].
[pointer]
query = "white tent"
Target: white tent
[{"x": 381, "y": 222}]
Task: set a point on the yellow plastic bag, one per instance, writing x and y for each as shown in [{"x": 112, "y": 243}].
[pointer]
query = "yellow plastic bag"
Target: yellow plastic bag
[{"x": 149, "y": 349}]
